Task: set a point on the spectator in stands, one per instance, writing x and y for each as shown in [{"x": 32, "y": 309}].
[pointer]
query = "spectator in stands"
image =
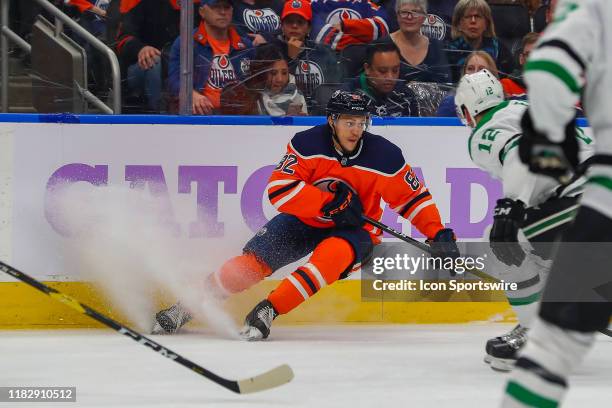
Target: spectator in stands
[
  {"x": 148, "y": 29},
  {"x": 340, "y": 23},
  {"x": 310, "y": 63},
  {"x": 422, "y": 58},
  {"x": 514, "y": 87},
  {"x": 280, "y": 95},
  {"x": 380, "y": 81},
  {"x": 256, "y": 17},
  {"x": 221, "y": 57},
  {"x": 473, "y": 29},
  {"x": 92, "y": 16},
  {"x": 437, "y": 23},
  {"x": 476, "y": 61},
  {"x": 269, "y": 90}
]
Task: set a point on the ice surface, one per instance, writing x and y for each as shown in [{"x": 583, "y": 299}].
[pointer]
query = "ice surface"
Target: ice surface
[{"x": 335, "y": 366}]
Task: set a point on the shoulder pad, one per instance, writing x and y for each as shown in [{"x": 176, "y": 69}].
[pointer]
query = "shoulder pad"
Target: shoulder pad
[
  {"x": 380, "y": 155},
  {"x": 313, "y": 141}
]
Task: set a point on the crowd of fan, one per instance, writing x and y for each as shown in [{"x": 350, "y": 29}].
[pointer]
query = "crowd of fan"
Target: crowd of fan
[{"x": 275, "y": 57}]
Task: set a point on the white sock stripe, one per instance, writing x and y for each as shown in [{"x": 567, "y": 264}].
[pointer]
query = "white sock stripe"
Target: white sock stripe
[
  {"x": 298, "y": 286},
  {"x": 510, "y": 402},
  {"x": 289, "y": 196},
  {"x": 315, "y": 271},
  {"x": 538, "y": 385}
]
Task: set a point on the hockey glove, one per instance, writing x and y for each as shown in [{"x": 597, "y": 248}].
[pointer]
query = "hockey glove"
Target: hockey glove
[
  {"x": 507, "y": 219},
  {"x": 444, "y": 246},
  {"x": 543, "y": 156},
  {"x": 345, "y": 208}
]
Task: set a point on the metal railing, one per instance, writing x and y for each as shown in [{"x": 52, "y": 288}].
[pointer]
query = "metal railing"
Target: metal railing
[{"x": 60, "y": 19}]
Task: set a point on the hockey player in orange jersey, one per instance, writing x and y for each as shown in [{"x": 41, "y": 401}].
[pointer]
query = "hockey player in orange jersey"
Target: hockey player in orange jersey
[{"x": 329, "y": 177}]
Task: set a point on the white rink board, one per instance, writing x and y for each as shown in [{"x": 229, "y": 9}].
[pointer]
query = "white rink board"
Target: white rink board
[{"x": 232, "y": 158}]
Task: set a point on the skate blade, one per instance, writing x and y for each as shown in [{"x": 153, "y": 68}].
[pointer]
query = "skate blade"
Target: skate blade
[
  {"x": 502, "y": 365},
  {"x": 487, "y": 359}
]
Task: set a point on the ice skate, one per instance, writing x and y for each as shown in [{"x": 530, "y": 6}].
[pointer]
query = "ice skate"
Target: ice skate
[
  {"x": 169, "y": 321},
  {"x": 258, "y": 321},
  {"x": 502, "y": 351},
  {"x": 497, "y": 340}
]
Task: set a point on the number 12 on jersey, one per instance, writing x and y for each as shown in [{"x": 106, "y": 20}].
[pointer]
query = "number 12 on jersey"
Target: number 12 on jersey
[{"x": 489, "y": 135}]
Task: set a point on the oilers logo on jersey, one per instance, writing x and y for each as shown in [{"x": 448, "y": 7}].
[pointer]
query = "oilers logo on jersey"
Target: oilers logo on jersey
[
  {"x": 221, "y": 72},
  {"x": 339, "y": 14},
  {"x": 308, "y": 76},
  {"x": 259, "y": 20},
  {"x": 434, "y": 27}
]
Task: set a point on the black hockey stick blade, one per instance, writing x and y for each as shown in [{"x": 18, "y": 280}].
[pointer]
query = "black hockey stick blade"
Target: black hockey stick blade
[{"x": 270, "y": 379}]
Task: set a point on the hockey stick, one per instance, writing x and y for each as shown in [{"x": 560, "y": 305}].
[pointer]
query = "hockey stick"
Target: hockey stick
[
  {"x": 423, "y": 247},
  {"x": 270, "y": 379}
]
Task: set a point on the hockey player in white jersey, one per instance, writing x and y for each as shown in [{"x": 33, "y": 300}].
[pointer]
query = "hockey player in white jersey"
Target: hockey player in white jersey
[
  {"x": 570, "y": 61},
  {"x": 529, "y": 202}
]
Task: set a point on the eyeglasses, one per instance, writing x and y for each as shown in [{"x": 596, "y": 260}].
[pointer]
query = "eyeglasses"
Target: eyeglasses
[
  {"x": 472, "y": 16},
  {"x": 411, "y": 14}
]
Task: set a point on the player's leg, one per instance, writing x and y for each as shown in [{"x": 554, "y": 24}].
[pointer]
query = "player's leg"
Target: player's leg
[
  {"x": 543, "y": 225},
  {"x": 332, "y": 259},
  {"x": 283, "y": 240},
  {"x": 564, "y": 330}
]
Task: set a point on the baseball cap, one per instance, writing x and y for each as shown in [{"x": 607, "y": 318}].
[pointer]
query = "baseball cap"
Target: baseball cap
[{"x": 299, "y": 7}]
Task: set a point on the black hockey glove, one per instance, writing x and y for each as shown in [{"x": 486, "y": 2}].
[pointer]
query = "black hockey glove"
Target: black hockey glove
[
  {"x": 543, "y": 156},
  {"x": 345, "y": 209},
  {"x": 507, "y": 219},
  {"x": 444, "y": 244}
]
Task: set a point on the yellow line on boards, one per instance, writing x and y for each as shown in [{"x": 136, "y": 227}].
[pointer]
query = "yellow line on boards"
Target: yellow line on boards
[{"x": 22, "y": 307}]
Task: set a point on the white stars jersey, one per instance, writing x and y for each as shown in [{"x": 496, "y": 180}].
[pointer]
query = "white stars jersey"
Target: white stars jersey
[{"x": 493, "y": 147}]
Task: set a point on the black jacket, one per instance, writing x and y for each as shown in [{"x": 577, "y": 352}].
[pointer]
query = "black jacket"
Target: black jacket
[
  {"x": 147, "y": 22},
  {"x": 400, "y": 101}
]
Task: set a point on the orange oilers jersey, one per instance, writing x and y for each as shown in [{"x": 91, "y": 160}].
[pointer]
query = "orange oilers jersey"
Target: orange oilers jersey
[{"x": 299, "y": 185}]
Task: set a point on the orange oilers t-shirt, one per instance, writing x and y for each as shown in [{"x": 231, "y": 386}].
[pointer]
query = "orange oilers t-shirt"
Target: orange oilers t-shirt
[{"x": 221, "y": 71}]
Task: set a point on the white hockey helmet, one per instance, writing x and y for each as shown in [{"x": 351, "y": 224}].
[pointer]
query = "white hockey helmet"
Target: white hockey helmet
[{"x": 476, "y": 93}]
